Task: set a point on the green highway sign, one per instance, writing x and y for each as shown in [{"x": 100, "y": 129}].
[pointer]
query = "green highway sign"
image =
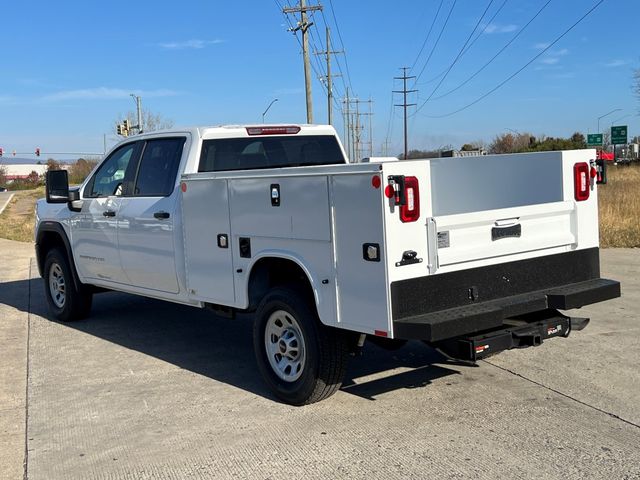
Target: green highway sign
[
  {"x": 619, "y": 135},
  {"x": 594, "y": 139}
]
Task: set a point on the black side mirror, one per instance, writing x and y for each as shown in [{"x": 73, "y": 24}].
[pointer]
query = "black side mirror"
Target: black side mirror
[{"x": 57, "y": 186}]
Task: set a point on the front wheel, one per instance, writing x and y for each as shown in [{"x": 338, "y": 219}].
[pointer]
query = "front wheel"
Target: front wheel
[
  {"x": 301, "y": 360},
  {"x": 66, "y": 302}
]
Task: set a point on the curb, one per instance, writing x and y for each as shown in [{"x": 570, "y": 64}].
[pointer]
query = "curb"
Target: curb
[{"x": 6, "y": 203}]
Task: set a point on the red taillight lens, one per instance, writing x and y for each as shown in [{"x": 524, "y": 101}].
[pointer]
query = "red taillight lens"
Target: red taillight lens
[
  {"x": 410, "y": 211},
  {"x": 581, "y": 181}
]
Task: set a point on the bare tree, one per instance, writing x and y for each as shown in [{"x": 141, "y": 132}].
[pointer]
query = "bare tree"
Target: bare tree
[
  {"x": 150, "y": 121},
  {"x": 510, "y": 143},
  {"x": 53, "y": 164}
]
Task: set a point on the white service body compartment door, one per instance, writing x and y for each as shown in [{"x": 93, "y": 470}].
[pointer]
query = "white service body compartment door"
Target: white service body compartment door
[
  {"x": 205, "y": 215},
  {"x": 363, "y": 303}
]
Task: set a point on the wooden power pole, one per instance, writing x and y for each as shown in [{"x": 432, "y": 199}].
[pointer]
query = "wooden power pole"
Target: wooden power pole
[{"x": 303, "y": 26}]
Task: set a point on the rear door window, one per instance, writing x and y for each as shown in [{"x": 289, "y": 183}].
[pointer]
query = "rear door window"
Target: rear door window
[
  {"x": 158, "y": 167},
  {"x": 269, "y": 152}
]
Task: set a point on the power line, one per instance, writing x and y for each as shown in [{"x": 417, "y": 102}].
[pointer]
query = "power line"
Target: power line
[
  {"x": 521, "y": 68},
  {"x": 455, "y": 60},
  {"x": 346, "y": 64},
  {"x": 428, "y": 35},
  {"x": 513, "y": 39},
  {"x": 436, "y": 44},
  {"x": 489, "y": 22}
]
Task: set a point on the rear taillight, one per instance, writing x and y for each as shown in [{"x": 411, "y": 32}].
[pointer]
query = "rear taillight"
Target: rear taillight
[
  {"x": 410, "y": 211},
  {"x": 581, "y": 181}
]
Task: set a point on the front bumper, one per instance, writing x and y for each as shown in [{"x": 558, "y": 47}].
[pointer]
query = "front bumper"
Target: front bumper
[{"x": 443, "y": 306}]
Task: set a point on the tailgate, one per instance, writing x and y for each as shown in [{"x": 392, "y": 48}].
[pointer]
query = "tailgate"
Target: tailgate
[{"x": 497, "y": 206}]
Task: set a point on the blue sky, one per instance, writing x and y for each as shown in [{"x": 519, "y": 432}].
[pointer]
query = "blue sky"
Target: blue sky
[{"x": 68, "y": 67}]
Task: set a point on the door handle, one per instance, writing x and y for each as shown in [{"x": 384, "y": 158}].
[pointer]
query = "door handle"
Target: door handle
[
  {"x": 162, "y": 215},
  {"x": 109, "y": 213}
]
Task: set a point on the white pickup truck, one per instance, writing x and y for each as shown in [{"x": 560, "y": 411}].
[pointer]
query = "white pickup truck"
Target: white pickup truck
[{"x": 470, "y": 255}]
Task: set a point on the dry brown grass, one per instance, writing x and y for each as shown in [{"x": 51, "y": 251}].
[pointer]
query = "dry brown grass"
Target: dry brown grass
[
  {"x": 619, "y": 207},
  {"x": 17, "y": 220}
]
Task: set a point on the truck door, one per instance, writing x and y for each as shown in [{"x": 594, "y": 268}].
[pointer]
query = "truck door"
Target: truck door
[
  {"x": 146, "y": 220},
  {"x": 94, "y": 229}
]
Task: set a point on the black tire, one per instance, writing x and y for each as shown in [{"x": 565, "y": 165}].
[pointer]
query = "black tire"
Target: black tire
[
  {"x": 69, "y": 303},
  {"x": 324, "y": 361}
]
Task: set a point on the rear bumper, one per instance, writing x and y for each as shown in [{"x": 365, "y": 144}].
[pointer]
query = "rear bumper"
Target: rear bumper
[{"x": 443, "y": 306}]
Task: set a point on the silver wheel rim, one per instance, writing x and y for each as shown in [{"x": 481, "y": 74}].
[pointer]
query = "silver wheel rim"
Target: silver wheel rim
[
  {"x": 57, "y": 285},
  {"x": 284, "y": 345}
]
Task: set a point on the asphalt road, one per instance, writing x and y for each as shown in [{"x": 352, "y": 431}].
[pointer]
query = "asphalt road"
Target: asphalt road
[{"x": 146, "y": 389}]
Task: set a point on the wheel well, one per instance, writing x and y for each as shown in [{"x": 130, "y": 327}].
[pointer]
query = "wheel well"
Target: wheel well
[
  {"x": 46, "y": 241},
  {"x": 271, "y": 272}
]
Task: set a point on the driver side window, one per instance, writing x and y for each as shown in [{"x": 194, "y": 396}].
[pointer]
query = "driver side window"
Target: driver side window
[{"x": 110, "y": 177}]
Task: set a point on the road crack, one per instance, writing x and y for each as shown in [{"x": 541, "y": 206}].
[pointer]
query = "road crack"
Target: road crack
[
  {"x": 613, "y": 415},
  {"x": 26, "y": 394}
]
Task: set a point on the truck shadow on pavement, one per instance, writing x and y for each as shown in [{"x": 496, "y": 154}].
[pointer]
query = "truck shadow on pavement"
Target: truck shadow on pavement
[{"x": 218, "y": 348}]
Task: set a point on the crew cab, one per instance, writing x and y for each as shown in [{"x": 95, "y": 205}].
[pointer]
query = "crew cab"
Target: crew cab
[{"x": 470, "y": 255}]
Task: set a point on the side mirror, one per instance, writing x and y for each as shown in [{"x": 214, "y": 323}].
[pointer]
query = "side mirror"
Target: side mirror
[{"x": 57, "y": 186}]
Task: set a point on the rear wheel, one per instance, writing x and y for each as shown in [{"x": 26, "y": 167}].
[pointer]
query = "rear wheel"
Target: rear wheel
[
  {"x": 66, "y": 302},
  {"x": 301, "y": 360}
]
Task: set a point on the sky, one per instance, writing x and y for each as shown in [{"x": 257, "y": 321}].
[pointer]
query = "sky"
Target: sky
[{"x": 69, "y": 67}]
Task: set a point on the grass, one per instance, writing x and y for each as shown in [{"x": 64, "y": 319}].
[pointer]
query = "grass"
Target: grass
[
  {"x": 17, "y": 220},
  {"x": 619, "y": 210},
  {"x": 619, "y": 207}
]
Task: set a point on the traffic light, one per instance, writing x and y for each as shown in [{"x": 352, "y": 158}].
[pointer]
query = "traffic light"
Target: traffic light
[
  {"x": 1, "y": 151},
  {"x": 37, "y": 151},
  {"x": 119, "y": 129},
  {"x": 125, "y": 123}
]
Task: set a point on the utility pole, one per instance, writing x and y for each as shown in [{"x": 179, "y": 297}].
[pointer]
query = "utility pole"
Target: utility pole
[
  {"x": 404, "y": 104},
  {"x": 303, "y": 26},
  {"x": 138, "y": 101},
  {"x": 354, "y": 127},
  {"x": 327, "y": 53}
]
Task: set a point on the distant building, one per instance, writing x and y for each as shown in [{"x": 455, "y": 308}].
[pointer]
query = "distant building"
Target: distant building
[{"x": 22, "y": 171}]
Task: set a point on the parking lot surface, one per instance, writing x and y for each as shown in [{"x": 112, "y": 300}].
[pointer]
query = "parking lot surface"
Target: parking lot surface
[{"x": 146, "y": 389}]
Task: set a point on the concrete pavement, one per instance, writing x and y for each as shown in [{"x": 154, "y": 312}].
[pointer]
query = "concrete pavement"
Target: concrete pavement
[{"x": 146, "y": 389}]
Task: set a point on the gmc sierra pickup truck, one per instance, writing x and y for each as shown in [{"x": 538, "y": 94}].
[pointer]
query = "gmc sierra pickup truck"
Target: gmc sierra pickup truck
[{"x": 470, "y": 255}]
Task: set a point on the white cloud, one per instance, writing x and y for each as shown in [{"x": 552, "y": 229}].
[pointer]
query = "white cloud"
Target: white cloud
[
  {"x": 553, "y": 56},
  {"x": 617, "y": 63},
  {"x": 497, "y": 28},
  {"x": 193, "y": 44},
  {"x": 104, "y": 93},
  {"x": 561, "y": 76},
  {"x": 541, "y": 45}
]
